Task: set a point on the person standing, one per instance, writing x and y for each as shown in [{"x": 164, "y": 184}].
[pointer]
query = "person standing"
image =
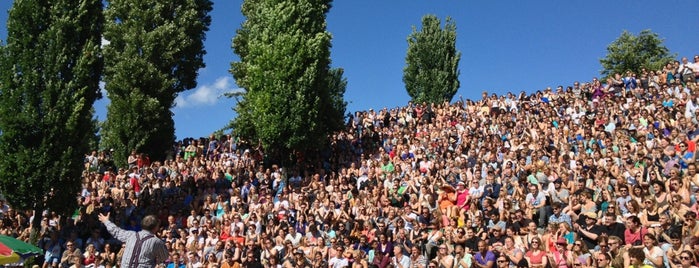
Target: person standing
[{"x": 143, "y": 248}]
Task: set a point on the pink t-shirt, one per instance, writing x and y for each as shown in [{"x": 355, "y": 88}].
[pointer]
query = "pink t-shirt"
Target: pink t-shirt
[{"x": 461, "y": 198}]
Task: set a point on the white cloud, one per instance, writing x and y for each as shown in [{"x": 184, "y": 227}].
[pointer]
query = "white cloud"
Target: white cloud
[{"x": 207, "y": 94}]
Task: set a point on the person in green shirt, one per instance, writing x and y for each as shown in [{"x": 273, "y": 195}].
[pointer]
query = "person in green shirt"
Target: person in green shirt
[{"x": 387, "y": 166}]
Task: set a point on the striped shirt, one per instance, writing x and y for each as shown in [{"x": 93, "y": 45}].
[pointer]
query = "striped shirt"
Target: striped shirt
[{"x": 152, "y": 250}]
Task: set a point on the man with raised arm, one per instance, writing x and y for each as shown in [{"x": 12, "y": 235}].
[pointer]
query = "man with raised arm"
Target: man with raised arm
[{"x": 143, "y": 248}]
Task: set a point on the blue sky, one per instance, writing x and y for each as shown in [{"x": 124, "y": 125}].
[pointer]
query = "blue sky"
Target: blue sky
[{"x": 505, "y": 46}]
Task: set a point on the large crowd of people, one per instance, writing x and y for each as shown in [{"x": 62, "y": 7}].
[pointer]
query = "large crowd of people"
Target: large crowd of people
[{"x": 599, "y": 173}]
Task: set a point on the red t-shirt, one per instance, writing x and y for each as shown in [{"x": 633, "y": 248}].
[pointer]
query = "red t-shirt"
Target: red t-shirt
[
  {"x": 536, "y": 259},
  {"x": 631, "y": 238}
]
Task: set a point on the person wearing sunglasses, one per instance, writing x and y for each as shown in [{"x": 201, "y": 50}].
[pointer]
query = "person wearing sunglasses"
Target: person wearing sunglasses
[
  {"x": 581, "y": 253},
  {"x": 603, "y": 260},
  {"x": 536, "y": 256},
  {"x": 502, "y": 262},
  {"x": 687, "y": 260}
]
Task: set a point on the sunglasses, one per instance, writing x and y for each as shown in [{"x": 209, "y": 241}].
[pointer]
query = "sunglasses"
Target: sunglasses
[
  {"x": 502, "y": 261},
  {"x": 685, "y": 258}
]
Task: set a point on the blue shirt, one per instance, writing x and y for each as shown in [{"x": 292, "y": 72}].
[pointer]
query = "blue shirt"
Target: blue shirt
[
  {"x": 561, "y": 218},
  {"x": 173, "y": 265},
  {"x": 489, "y": 256}
]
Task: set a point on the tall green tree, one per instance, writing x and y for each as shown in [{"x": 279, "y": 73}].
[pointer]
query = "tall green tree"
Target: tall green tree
[
  {"x": 155, "y": 49},
  {"x": 631, "y": 53},
  {"x": 49, "y": 74},
  {"x": 293, "y": 100},
  {"x": 431, "y": 73}
]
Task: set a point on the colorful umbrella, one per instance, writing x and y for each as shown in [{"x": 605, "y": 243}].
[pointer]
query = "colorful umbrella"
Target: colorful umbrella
[
  {"x": 7, "y": 259},
  {"x": 7, "y": 255},
  {"x": 5, "y": 251},
  {"x": 18, "y": 246}
]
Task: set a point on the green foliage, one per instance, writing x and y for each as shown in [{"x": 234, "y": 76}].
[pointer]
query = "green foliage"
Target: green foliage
[
  {"x": 155, "y": 50},
  {"x": 49, "y": 74},
  {"x": 431, "y": 73},
  {"x": 631, "y": 53},
  {"x": 293, "y": 100}
]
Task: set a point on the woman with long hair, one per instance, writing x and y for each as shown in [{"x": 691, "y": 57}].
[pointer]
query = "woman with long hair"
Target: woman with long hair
[
  {"x": 651, "y": 212},
  {"x": 109, "y": 256},
  {"x": 210, "y": 260},
  {"x": 633, "y": 207},
  {"x": 510, "y": 232},
  {"x": 510, "y": 249},
  {"x": 660, "y": 193},
  {"x": 550, "y": 236},
  {"x": 536, "y": 256},
  {"x": 90, "y": 254},
  {"x": 587, "y": 204},
  {"x": 637, "y": 194},
  {"x": 654, "y": 254},
  {"x": 581, "y": 252},
  {"x": 614, "y": 209},
  {"x": 566, "y": 231}
]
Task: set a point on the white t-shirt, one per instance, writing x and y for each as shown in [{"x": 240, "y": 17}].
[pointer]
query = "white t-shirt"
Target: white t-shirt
[
  {"x": 404, "y": 261},
  {"x": 336, "y": 262}
]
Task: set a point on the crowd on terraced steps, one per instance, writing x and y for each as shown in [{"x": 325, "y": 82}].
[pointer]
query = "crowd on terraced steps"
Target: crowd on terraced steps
[{"x": 595, "y": 174}]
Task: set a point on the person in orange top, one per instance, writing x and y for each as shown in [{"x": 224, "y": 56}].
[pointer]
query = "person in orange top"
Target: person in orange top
[{"x": 447, "y": 199}]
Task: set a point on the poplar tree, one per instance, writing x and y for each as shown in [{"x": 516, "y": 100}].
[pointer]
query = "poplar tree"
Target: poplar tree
[
  {"x": 431, "y": 73},
  {"x": 50, "y": 69},
  {"x": 293, "y": 99},
  {"x": 155, "y": 49}
]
